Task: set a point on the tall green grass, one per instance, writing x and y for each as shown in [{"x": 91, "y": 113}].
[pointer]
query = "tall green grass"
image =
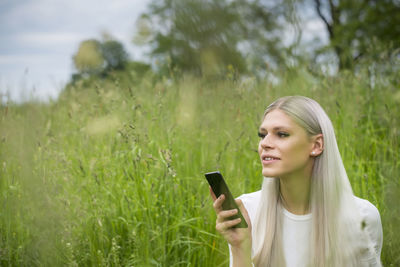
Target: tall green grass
[{"x": 111, "y": 174}]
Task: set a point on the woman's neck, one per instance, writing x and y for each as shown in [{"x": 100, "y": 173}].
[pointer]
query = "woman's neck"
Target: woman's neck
[{"x": 295, "y": 193}]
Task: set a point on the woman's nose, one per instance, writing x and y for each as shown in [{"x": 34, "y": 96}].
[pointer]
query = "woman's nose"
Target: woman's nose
[{"x": 266, "y": 142}]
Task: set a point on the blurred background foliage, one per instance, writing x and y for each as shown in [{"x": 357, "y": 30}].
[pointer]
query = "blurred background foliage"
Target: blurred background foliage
[
  {"x": 204, "y": 37},
  {"x": 99, "y": 57},
  {"x": 111, "y": 173},
  {"x": 213, "y": 38},
  {"x": 359, "y": 29},
  {"x": 255, "y": 35}
]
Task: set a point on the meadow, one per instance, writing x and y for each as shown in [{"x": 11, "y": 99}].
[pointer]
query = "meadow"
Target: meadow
[{"x": 112, "y": 173}]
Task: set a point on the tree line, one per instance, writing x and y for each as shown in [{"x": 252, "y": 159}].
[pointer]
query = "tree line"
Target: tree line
[{"x": 213, "y": 37}]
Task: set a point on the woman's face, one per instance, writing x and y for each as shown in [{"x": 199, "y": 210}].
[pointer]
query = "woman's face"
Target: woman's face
[{"x": 285, "y": 148}]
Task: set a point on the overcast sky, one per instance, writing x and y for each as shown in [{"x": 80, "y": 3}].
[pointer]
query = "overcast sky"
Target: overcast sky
[{"x": 39, "y": 37}]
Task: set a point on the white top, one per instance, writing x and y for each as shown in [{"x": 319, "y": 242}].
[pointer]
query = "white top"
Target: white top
[{"x": 297, "y": 229}]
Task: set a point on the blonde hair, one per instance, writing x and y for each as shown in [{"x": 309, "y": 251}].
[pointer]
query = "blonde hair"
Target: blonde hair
[{"x": 337, "y": 238}]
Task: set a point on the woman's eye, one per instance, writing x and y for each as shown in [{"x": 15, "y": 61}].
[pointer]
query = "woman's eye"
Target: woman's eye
[
  {"x": 261, "y": 135},
  {"x": 282, "y": 134}
]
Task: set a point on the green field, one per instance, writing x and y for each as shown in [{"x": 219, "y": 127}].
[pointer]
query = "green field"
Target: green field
[{"x": 111, "y": 174}]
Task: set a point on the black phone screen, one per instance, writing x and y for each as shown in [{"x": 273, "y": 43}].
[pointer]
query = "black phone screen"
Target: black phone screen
[{"x": 219, "y": 187}]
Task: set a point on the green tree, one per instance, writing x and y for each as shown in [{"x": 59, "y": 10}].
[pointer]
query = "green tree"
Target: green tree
[
  {"x": 356, "y": 27},
  {"x": 89, "y": 58},
  {"x": 94, "y": 57},
  {"x": 114, "y": 54},
  {"x": 208, "y": 37}
]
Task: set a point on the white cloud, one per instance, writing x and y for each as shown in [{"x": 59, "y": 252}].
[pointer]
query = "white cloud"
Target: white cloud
[
  {"x": 27, "y": 60},
  {"x": 48, "y": 39}
]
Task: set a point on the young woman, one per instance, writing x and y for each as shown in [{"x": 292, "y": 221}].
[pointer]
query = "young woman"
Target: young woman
[{"x": 306, "y": 213}]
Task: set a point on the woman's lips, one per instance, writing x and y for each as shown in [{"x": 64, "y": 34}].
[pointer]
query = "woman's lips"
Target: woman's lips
[{"x": 269, "y": 159}]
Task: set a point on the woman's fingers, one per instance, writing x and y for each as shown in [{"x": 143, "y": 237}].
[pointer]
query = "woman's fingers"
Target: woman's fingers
[
  {"x": 218, "y": 203},
  {"x": 225, "y": 225},
  {"x": 225, "y": 214},
  {"x": 212, "y": 194},
  {"x": 223, "y": 222}
]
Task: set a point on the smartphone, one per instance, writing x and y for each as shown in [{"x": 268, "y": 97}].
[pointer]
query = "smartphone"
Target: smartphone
[{"x": 219, "y": 187}]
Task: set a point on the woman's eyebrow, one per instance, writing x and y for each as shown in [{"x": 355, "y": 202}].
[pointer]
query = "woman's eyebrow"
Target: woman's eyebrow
[{"x": 277, "y": 128}]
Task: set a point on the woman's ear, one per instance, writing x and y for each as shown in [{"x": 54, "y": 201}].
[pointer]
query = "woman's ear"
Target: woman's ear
[{"x": 318, "y": 145}]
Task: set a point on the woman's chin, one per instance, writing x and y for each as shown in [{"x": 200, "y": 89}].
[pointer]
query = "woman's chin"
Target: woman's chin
[{"x": 269, "y": 173}]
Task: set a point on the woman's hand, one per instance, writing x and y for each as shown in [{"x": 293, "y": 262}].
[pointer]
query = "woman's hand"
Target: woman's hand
[{"x": 238, "y": 238}]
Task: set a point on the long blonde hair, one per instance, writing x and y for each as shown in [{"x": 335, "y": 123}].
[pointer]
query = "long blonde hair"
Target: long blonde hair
[{"x": 337, "y": 238}]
